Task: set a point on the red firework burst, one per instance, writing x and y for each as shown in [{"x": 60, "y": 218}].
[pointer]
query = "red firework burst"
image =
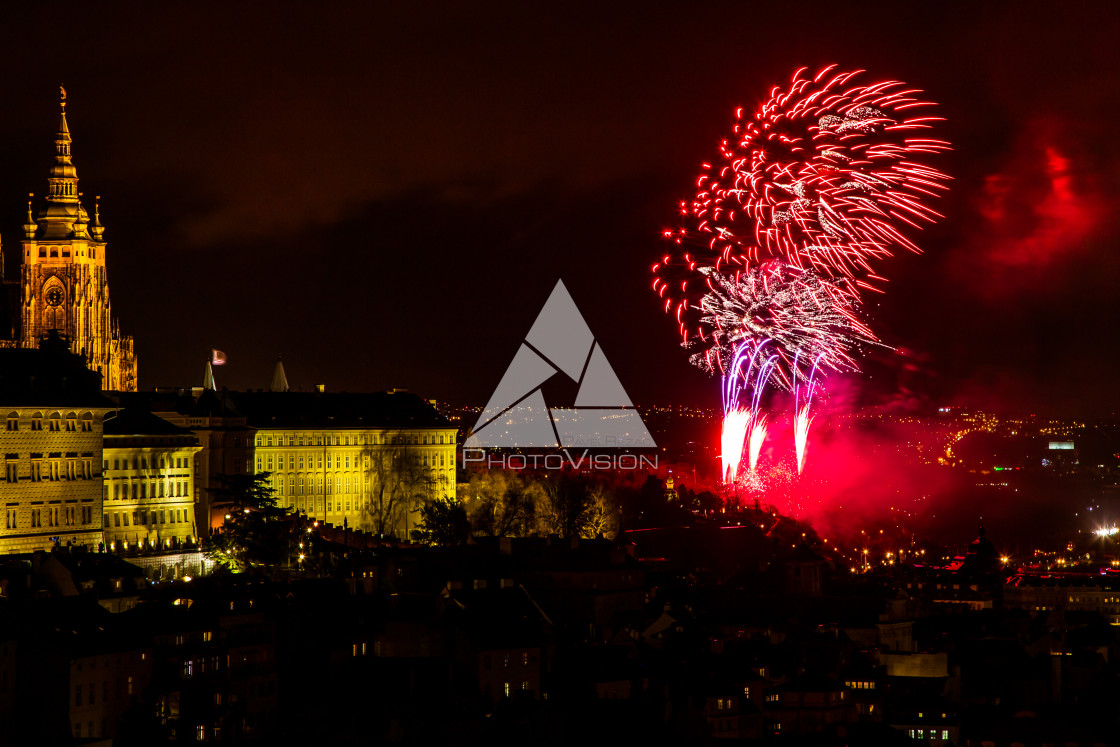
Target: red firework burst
[{"x": 825, "y": 175}]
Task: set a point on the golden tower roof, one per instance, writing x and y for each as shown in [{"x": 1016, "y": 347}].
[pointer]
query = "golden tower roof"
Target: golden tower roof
[{"x": 62, "y": 209}]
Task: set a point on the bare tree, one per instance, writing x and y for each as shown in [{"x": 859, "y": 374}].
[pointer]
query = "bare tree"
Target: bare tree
[
  {"x": 398, "y": 484},
  {"x": 602, "y": 515},
  {"x": 566, "y": 507}
]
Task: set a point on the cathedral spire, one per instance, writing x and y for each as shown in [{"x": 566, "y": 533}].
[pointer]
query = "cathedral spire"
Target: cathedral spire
[
  {"x": 64, "y": 177},
  {"x": 57, "y": 218}
]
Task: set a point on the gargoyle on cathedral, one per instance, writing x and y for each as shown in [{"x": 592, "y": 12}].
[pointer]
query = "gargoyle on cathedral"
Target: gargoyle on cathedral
[{"x": 63, "y": 282}]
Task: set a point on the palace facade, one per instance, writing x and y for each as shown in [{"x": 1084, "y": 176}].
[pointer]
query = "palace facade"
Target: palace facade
[
  {"x": 50, "y": 442},
  {"x": 364, "y": 461},
  {"x": 63, "y": 283},
  {"x": 149, "y": 493}
]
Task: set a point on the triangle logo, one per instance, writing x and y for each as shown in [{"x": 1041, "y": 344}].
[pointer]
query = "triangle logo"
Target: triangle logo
[{"x": 559, "y": 342}]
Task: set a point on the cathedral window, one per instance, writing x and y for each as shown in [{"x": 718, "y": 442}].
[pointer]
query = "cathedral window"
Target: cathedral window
[
  {"x": 13, "y": 421},
  {"x": 37, "y": 421},
  {"x": 87, "y": 422},
  {"x": 56, "y": 422}
]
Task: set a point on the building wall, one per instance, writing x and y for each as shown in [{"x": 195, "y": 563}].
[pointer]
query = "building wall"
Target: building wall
[
  {"x": 226, "y": 449},
  {"x": 102, "y": 689},
  {"x": 149, "y": 493},
  {"x": 334, "y": 475},
  {"x": 51, "y": 486}
]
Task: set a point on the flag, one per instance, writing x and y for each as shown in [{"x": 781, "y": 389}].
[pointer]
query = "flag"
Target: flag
[{"x": 217, "y": 357}]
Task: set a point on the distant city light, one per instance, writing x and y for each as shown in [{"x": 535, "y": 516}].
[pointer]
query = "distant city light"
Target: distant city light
[{"x": 1107, "y": 531}]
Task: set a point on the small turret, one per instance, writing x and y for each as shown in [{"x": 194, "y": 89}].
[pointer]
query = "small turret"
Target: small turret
[
  {"x": 96, "y": 230},
  {"x": 279, "y": 378},
  {"x": 30, "y": 226},
  {"x": 81, "y": 221}
]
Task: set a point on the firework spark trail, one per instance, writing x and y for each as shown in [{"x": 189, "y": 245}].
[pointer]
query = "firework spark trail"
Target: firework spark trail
[
  {"x": 801, "y": 418},
  {"x": 733, "y": 436},
  {"x": 739, "y": 420},
  {"x": 758, "y": 436},
  {"x": 758, "y": 418}
]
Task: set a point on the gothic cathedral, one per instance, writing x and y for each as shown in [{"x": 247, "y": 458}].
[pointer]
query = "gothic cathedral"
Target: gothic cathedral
[{"x": 63, "y": 282}]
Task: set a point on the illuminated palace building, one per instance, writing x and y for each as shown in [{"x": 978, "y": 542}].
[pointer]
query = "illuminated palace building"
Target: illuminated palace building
[
  {"x": 358, "y": 460},
  {"x": 50, "y": 441},
  {"x": 148, "y": 496},
  {"x": 63, "y": 284}
]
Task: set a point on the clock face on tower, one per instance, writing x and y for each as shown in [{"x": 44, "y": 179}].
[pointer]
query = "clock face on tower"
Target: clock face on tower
[{"x": 54, "y": 297}]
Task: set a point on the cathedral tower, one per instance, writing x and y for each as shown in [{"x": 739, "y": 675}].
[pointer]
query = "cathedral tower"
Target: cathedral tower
[{"x": 64, "y": 282}]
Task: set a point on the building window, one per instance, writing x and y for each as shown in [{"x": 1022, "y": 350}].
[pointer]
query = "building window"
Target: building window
[
  {"x": 13, "y": 421},
  {"x": 507, "y": 689},
  {"x": 37, "y": 421}
]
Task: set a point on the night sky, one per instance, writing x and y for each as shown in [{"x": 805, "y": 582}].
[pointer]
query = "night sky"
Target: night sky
[{"x": 386, "y": 193}]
